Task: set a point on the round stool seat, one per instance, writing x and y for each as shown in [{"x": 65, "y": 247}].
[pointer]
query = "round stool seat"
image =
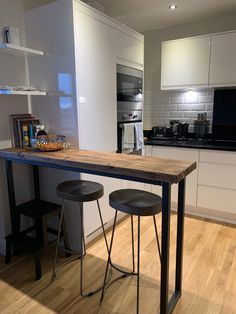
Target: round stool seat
[
  {"x": 80, "y": 190},
  {"x": 136, "y": 202}
]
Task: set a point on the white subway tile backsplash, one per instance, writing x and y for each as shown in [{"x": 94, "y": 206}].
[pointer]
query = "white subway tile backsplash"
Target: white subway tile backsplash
[
  {"x": 159, "y": 122},
  {"x": 205, "y": 99},
  {"x": 183, "y": 106},
  {"x": 209, "y": 114},
  {"x": 191, "y": 114},
  {"x": 170, "y": 107},
  {"x": 177, "y": 100},
  {"x": 177, "y": 114},
  {"x": 210, "y": 92},
  {"x": 164, "y": 114},
  {"x": 209, "y": 107},
  {"x": 191, "y": 98},
  {"x": 192, "y": 107}
]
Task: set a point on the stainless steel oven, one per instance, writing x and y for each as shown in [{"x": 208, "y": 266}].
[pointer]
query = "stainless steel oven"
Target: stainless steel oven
[{"x": 129, "y": 109}]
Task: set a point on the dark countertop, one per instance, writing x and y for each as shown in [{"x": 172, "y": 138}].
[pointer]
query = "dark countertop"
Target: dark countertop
[{"x": 193, "y": 143}]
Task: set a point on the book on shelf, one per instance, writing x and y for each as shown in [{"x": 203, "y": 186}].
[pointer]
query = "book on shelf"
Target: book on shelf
[
  {"x": 26, "y": 130},
  {"x": 22, "y": 129}
]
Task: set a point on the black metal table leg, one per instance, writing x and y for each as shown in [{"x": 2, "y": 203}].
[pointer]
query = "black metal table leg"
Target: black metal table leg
[
  {"x": 15, "y": 219},
  {"x": 36, "y": 182},
  {"x": 166, "y": 197},
  {"x": 180, "y": 236}
]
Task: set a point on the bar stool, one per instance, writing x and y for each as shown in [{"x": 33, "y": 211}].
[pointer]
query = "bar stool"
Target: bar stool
[
  {"x": 80, "y": 191},
  {"x": 135, "y": 203},
  {"x": 41, "y": 213}
]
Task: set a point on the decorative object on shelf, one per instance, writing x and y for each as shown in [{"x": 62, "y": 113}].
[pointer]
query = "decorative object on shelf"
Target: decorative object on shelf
[
  {"x": 11, "y": 35},
  {"x": 20, "y": 90}
]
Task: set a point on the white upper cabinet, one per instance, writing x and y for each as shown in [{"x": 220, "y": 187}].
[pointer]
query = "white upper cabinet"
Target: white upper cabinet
[
  {"x": 185, "y": 63},
  {"x": 223, "y": 60},
  {"x": 129, "y": 47}
]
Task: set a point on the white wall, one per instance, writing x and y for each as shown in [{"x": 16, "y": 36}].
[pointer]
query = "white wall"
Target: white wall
[
  {"x": 12, "y": 73},
  {"x": 156, "y": 102}
]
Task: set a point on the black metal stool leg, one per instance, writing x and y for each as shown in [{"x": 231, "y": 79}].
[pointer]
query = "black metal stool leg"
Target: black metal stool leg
[
  {"x": 132, "y": 235},
  {"x": 103, "y": 229},
  {"x": 157, "y": 238},
  {"x": 138, "y": 264},
  {"x": 82, "y": 247},
  {"x": 65, "y": 236},
  {"x": 58, "y": 240},
  {"x": 109, "y": 257}
]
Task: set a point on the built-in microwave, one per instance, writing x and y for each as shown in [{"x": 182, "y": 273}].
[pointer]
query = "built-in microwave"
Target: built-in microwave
[{"x": 129, "y": 84}]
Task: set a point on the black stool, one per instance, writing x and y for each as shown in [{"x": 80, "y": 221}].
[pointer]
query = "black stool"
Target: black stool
[
  {"x": 138, "y": 203},
  {"x": 79, "y": 191},
  {"x": 41, "y": 212}
]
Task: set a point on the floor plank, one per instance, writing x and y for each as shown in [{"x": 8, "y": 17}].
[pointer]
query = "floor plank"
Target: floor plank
[{"x": 209, "y": 284}]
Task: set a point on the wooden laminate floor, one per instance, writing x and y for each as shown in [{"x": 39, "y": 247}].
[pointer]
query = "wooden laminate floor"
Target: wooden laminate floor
[{"x": 209, "y": 278}]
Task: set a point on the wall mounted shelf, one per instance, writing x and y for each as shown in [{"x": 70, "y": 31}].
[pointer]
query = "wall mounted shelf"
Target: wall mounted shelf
[
  {"x": 20, "y": 51},
  {"x": 16, "y": 92}
]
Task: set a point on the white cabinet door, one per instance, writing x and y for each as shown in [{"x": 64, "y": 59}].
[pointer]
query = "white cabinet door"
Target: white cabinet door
[
  {"x": 191, "y": 181},
  {"x": 95, "y": 57},
  {"x": 185, "y": 63},
  {"x": 223, "y": 60},
  {"x": 217, "y": 199},
  {"x": 216, "y": 182},
  {"x": 129, "y": 47}
]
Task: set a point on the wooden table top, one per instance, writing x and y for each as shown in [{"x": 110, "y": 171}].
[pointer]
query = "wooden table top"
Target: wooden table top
[{"x": 111, "y": 164}]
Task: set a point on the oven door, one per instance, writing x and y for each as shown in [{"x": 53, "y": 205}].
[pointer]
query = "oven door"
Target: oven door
[
  {"x": 129, "y": 84},
  {"x": 120, "y": 150}
]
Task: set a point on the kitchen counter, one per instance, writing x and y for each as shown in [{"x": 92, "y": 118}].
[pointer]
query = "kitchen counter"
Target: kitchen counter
[
  {"x": 193, "y": 143},
  {"x": 153, "y": 170}
]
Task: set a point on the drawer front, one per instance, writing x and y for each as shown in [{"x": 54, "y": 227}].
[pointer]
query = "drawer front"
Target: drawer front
[
  {"x": 147, "y": 150},
  {"x": 220, "y": 157},
  {"x": 175, "y": 153},
  {"x": 217, "y": 199},
  {"x": 191, "y": 180},
  {"x": 217, "y": 175}
]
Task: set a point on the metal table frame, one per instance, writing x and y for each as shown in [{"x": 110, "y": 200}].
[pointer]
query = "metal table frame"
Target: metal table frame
[{"x": 166, "y": 305}]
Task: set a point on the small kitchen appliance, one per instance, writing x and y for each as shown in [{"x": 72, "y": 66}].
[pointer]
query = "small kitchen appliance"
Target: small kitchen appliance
[
  {"x": 180, "y": 129},
  {"x": 201, "y": 126}
]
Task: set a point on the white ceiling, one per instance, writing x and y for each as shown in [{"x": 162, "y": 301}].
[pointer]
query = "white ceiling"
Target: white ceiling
[{"x": 144, "y": 15}]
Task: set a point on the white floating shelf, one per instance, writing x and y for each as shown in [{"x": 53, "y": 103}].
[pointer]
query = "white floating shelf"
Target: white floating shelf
[
  {"x": 20, "y": 92},
  {"x": 15, "y": 50}
]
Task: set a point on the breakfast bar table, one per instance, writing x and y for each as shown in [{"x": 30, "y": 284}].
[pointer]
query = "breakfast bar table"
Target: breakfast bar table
[{"x": 151, "y": 170}]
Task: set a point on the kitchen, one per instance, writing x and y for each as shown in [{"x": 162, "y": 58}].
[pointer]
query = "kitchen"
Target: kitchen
[{"x": 152, "y": 95}]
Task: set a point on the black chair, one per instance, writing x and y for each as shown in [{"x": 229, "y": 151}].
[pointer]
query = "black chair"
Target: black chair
[
  {"x": 135, "y": 203},
  {"x": 79, "y": 191}
]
